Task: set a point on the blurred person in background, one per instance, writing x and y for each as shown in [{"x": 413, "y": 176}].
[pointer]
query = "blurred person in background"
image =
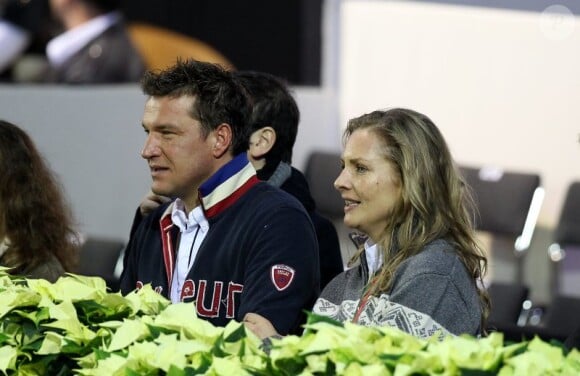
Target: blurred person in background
[
  {"x": 37, "y": 239},
  {"x": 94, "y": 47},
  {"x": 274, "y": 125}
]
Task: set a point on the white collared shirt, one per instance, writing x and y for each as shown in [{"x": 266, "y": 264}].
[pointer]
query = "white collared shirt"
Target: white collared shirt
[
  {"x": 64, "y": 46},
  {"x": 193, "y": 229},
  {"x": 374, "y": 256}
]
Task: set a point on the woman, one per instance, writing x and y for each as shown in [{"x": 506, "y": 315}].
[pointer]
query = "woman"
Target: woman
[
  {"x": 421, "y": 264},
  {"x": 36, "y": 235}
]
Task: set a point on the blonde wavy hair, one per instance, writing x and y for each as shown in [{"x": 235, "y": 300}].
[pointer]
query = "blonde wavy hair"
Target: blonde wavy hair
[{"x": 435, "y": 202}]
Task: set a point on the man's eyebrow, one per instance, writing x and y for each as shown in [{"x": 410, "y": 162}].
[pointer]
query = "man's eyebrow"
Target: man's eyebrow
[{"x": 159, "y": 127}]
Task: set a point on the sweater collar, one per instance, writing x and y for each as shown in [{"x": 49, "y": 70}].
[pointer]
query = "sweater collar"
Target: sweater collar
[
  {"x": 227, "y": 185},
  {"x": 279, "y": 176},
  {"x": 222, "y": 189}
]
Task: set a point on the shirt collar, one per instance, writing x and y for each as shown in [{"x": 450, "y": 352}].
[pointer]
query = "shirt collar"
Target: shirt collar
[
  {"x": 374, "y": 256},
  {"x": 188, "y": 222},
  {"x": 64, "y": 46}
]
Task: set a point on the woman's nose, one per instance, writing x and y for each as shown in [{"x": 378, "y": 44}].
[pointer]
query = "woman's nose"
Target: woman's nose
[{"x": 340, "y": 182}]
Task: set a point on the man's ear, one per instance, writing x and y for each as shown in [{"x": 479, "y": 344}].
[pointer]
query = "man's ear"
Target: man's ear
[
  {"x": 262, "y": 141},
  {"x": 222, "y": 140}
]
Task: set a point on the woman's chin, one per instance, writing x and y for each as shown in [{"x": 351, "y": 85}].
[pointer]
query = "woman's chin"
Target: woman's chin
[{"x": 348, "y": 222}]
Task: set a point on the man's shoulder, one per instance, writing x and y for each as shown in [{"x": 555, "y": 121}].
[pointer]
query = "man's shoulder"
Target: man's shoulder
[
  {"x": 269, "y": 195},
  {"x": 155, "y": 216}
]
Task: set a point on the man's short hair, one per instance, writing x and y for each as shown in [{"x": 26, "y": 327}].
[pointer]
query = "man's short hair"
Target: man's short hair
[
  {"x": 274, "y": 106},
  {"x": 219, "y": 97}
]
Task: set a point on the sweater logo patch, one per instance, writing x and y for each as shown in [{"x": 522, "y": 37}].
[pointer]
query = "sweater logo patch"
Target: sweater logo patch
[{"x": 282, "y": 276}]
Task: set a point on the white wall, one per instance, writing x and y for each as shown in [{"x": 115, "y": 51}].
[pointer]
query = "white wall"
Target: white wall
[{"x": 503, "y": 85}]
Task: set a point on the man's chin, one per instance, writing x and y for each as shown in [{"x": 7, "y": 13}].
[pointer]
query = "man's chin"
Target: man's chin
[{"x": 161, "y": 191}]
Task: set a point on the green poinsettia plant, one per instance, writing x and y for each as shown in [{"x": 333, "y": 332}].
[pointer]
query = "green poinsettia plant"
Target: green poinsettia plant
[{"x": 76, "y": 327}]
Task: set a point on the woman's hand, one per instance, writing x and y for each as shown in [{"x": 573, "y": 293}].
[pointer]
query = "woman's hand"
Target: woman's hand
[{"x": 260, "y": 326}]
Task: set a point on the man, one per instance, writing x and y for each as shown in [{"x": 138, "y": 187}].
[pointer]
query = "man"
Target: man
[
  {"x": 95, "y": 47},
  {"x": 229, "y": 242},
  {"x": 274, "y": 125}
]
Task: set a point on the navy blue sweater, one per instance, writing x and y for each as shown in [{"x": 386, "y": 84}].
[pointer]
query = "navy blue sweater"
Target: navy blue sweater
[{"x": 260, "y": 255}]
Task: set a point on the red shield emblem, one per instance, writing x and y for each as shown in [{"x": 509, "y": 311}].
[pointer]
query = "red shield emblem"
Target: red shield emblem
[{"x": 282, "y": 276}]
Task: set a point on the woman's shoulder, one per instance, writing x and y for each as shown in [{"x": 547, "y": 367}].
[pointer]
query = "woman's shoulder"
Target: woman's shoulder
[{"x": 437, "y": 257}]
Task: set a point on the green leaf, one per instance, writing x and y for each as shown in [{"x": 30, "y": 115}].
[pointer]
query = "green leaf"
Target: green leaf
[
  {"x": 8, "y": 356},
  {"x": 128, "y": 333},
  {"x": 540, "y": 358},
  {"x": 67, "y": 320},
  {"x": 4, "y": 338},
  {"x": 227, "y": 366},
  {"x": 187, "y": 371},
  {"x": 313, "y": 318},
  {"x": 328, "y": 336},
  {"x": 286, "y": 354},
  {"x": 173, "y": 351},
  {"x": 34, "y": 316},
  {"x": 234, "y": 332},
  {"x": 14, "y": 298},
  {"x": 355, "y": 369},
  {"x": 182, "y": 317},
  {"x": 571, "y": 365},
  {"x": 146, "y": 301},
  {"x": 52, "y": 344},
  {"x": 467, "y": 352},
  {"x": 200, "y": 362},
  {"x": 113, "y": 365},
  {"x": 45, "y": 365}
]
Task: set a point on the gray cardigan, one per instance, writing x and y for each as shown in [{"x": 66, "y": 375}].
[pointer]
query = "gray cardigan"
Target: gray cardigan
[{"x": 431, "y": 293}]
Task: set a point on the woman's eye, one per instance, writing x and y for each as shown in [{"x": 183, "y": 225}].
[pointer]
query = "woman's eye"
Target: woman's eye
[{"x": 361, "y": 169}]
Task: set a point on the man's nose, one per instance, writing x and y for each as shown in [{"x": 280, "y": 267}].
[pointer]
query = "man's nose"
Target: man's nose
[{"x": 150, "y": 149}]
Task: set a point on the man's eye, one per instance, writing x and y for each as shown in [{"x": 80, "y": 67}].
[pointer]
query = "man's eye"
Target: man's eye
[{"x": 361, "y": 169}]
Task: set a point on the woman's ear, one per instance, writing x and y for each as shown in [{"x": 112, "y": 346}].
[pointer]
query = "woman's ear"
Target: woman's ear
[{"x": 261, "y": 142}]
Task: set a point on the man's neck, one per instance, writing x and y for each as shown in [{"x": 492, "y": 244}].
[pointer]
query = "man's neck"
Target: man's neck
[{"x": 189, "y": 205}]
